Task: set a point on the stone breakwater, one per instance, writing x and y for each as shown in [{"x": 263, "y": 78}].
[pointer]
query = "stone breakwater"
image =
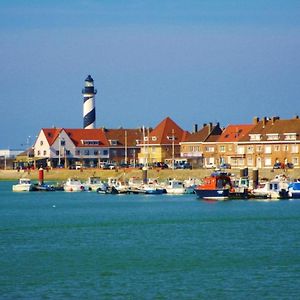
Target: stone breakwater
[{"x": 63, "y": 174}]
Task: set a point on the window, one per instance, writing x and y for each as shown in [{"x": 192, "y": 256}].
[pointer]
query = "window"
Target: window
[
  {"x": 222, "y": 148},
  {"x": 77, "y": 152},
  {"x": 255, "y": 137},
  {"x": 240, "y": 150},
  {"x": 285, "y": 148},
  {"x": 259, "y": 148},
  {"x": 295, "y": 161},
  {"x": 154, "y": 138},
  {"x": 57, "y": 152},
  {"x": 41, "y": 143},
  {"x": 268, "y": 162},
  {"x": 250, "y": 161},
  {"x": 290, "y": 136},
  {"x": 276, "y": 148},
  {"x": 113, "y": 142},
  {"x": 39, "y": 152},
  {"x": 105, "y": 152},
  {"x": 45, "y": 152},
  {"x": 272, "y": 136},
  {"x": 294, "y": 149},
  {"x": 209, "y": 149},
  {"x": 95, "y": 152},
  {"x": 62, "y": 142},
  {"x": 90, "y": 142},
  {"x": 250, "y": 149},
  {"x": 268, "y": 149},
  {"x": 67, "y": 152},
  {"x": 86, "y": 152}
]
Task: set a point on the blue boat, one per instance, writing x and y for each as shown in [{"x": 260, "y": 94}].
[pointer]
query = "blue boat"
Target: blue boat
[{"x": 294, "y": 190}]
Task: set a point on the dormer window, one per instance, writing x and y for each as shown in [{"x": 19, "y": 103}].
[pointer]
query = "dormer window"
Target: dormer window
[
  {"x": 113, "y": 142},
  {"x": 146, "y": 139},
  {"x": 171, "y": 138},
  {"x": 90, "y": 142},
  {"x": 290, "y": 136},
  {"x": 154, "y": 138},
  {"x": 255, "y": 137},
  {"x": 272, "y": 136}
]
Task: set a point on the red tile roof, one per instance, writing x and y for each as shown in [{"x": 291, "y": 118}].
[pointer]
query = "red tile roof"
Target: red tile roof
[
  {"x": 134, "y": 136},
  {"x": 77, "y": 136},
  {"x": 233, "y": 133},
  {"x": 164, "y": 131}
]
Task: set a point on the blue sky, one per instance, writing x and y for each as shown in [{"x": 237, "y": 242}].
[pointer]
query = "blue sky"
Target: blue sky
[{"x": 195, "y": 61}]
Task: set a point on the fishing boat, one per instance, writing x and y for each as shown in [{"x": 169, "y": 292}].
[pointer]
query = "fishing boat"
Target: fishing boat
[
  {"x": 276, "y": 188},
  {"x": 175, "y": 187},
  {"x": 93, "y": 184},
  {"x": 73, "y": 185},
  {"x": 23, "y": 185},
  {"x": 214, "y": 187}
]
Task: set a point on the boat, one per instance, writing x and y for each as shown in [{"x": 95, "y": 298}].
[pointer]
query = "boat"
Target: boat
[
  {"x": 23, "y": 185},
  {"x": 214, "y": 187},
  {"x": 175, "y": 187},
  {"x": 73, "y": 185},
  {"x": 94, "y": 183},
  {"x": 190, "y": 184},
  {"x": 276, "y": 188},
  {"x": 117, "y": 186},
  {"x": 294, "y": 190}
]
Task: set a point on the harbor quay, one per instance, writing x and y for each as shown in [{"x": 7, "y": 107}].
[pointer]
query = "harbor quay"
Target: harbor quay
[{"x": 57, "y": 174}]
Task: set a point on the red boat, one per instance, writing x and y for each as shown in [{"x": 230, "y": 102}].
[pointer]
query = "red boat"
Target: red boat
[{"x": 214, "y": 187}]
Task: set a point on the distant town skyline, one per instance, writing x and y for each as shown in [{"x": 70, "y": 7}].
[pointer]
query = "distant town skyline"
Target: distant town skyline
[{"x": 194, "y": 61}]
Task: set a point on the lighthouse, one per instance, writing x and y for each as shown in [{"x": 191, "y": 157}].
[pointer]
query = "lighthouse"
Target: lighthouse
[{"x": 89, "y": 111}]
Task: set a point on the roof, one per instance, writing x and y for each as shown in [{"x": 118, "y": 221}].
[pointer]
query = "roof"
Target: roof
[
  {"x": 275, "y": 126},
  {"x": 77, "y": 135},
  {"x": 208, "y": 133},
  {"x": 133, "y": 136},
  {"x": 233, "y": 133},
  {"x": 89, "y": 79},
  {"x": 163, "y": 133}
]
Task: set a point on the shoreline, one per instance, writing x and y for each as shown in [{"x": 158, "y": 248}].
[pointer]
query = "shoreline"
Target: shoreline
[{"x": 64, "y": 174}]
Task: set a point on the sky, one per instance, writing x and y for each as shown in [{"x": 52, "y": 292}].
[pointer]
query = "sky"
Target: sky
[{"x": 196, "y": 61}]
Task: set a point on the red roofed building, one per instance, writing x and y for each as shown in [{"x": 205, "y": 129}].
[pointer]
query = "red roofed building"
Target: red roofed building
[
  {"x": 228, "y": 149},
  {"x": 199, "y": 148},
  {"x": 87, "y": 147},
  {"x": 61, "y": 146},
  {"x": 162, "y": 143}
]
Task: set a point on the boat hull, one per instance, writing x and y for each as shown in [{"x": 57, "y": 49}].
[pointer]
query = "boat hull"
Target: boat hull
[{"x": 213, "y": 194}]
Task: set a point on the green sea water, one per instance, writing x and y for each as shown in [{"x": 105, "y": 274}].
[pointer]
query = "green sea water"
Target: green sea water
[{"x": 60, "y": 245}]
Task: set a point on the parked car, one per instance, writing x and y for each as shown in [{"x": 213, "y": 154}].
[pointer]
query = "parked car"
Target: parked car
[
  {"x": 210, "y": 166},
  {"x": 278, "y": 165},
  {"x": 183, "y": 166},
  {"x": 225, "y": 166}
]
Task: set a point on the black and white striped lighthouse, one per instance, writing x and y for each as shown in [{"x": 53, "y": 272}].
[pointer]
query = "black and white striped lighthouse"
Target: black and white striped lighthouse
[{"x": 89, "y": 111}]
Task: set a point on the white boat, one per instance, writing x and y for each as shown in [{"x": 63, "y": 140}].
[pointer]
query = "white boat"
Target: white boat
[
  {"x": 24, "y": 185},
  {"x": 175, "y": 187},
  {"x": 118, "y": 186},
  {"x": 73, "y": 185},
  {"x": 273, "y": 189},
  {"x": 93, "y": 184},
  {"x": 190, "y": 184},
  {"x": 294, "y": 190}
]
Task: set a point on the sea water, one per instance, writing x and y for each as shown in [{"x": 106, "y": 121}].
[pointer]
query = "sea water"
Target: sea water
[{"x": 57, "y": 245}]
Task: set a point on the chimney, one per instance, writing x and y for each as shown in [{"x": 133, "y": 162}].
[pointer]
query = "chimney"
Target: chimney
[
  {"x": 274, "y": 119},
  {"x": 264, "y": 121},
  {"x": 204, "y": 125},
  {"x": 296, "y": 117},
  {"x": 195, "y": 128},
  {"x": 210, "y": 127},
  {"x": 255, "y": 120}
]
